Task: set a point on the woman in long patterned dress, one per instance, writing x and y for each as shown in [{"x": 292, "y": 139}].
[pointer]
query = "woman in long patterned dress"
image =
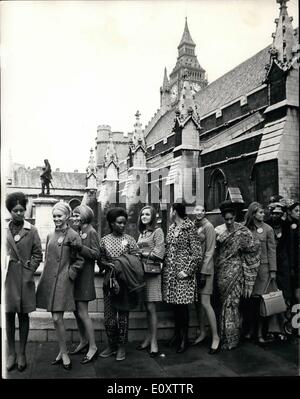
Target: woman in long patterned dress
[
  {"x": 112, "y": 246},
  {"x": 84, "y": 290},
  {"x": 24, "y": 254},
  {"x": 237, "y": 261},
  {"x": 183, "y": 253},
  {"x": 152, "y": 245}
]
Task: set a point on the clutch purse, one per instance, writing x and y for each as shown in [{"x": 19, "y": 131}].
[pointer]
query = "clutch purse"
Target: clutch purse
[
  {"x": 152, "y": 266},
  {"x": 272, "y": 302}
]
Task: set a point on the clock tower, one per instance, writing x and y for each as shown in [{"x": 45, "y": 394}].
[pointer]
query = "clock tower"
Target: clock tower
[{"x": 187, "y": 65}]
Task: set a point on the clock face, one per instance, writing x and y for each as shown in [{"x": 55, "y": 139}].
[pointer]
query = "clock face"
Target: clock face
[{"x": 174, "y": 92}]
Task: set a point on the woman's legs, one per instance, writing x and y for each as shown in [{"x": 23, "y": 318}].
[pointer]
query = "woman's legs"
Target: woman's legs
[
  {"x": 61, "y": 335},
  {"x": 23, "y": 331},
  {"x": 205, "y": 302},
  {"x": 152, "y": 323},
  {"x": 83, "y": 341},
  {"x": 183, "y": 320},
  {"x": 10, "y": 333},
  {"x": 88, "y": 329},
  {"x": 200, "y": 317}
]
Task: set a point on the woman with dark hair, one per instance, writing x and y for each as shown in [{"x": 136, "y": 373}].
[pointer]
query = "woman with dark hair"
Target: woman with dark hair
[
  {"x": 63, "y": 263},
  {"x": 24, "y": 254},
  {"x": 112, "y": 246},
  {"x": 237, "y": 261},
  {"x": 84, "y": 284},
  {"x": 205, "y": 278},
  {"x": 152, "y": 246},
  {"x": 183, "y": 253},
  {"x": 264, "y": 233}
]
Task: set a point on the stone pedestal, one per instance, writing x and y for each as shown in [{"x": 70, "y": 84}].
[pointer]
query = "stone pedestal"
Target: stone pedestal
[{"x": 43, "y": 216}]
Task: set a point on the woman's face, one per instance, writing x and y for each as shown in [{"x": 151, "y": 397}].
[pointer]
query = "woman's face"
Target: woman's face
[
  {"x": 146, "y": 216},
  {"x": 76, "y": 219},
  {"x": 294, "y": 213},
  {"x": 199, "y": 212},
  {"x": 18, "y": 213},
  {"x": 259, "y": 215},
  {"x": 118, "y": 226},
  {"x": 59, "y": 218},
  {"x": 229, "y": 219}
]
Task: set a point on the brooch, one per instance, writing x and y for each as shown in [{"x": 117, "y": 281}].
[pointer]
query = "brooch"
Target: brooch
[
  {"x": 260, "y": 230},
  {"x": 17, "y": 237},
  {"x": 60, "y": 240},
  {"x": 83, "y": 236}
]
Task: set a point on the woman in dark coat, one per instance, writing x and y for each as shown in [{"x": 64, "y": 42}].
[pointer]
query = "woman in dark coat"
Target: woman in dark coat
[
  {"x": 85, "y": 284},
  {"x": 55, "y": 291},
  {"x": 24, "y": 254},
  {"x": 183, "y": 253}
]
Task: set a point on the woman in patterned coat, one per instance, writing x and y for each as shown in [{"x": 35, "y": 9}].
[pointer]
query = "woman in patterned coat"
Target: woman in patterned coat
[
  {"x": 24, "y": 254},
  {"x": 85, "y": 283},
  {"x": 63, "y": 262},
  {"x": 183, "y": 253},
  {"x": 152, "y": 245}
]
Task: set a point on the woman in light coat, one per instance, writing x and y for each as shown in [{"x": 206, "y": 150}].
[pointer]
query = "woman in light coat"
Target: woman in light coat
[
  {"x": 24, "y": 254},
  {"x": 63, "y": 262}
]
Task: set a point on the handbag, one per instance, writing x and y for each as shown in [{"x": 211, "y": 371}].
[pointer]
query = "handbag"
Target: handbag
[
  {"x": 113, "y": 286},
  {"x": 152, "y": 266},
  {"x": 272, "y": 302}
]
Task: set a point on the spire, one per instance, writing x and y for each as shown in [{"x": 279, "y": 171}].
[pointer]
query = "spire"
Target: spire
[
  {"x": 284, "y": 45},
  {"x": 186, "y": 37},
  {"x": 91, "y": 168},
  {"x": 166, "y": 84},
  {"x": 111, "y": 154},
  {"x": 138, "y": 134}
]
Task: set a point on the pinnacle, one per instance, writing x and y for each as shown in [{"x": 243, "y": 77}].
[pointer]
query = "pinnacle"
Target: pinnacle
[{"x": 186, "y": 37}]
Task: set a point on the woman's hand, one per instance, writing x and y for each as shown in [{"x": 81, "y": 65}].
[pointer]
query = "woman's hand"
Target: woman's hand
[
  {"x": 181, "y": 275},
  {"x": 201, "y": 281},
  {"x": 247, "y": 293}
]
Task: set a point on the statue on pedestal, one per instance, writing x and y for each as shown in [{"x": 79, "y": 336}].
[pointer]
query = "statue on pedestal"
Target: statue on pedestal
[{"x": 46, "y": 178}]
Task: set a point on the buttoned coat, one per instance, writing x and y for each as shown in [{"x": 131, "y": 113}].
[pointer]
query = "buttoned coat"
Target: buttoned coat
[
  {"x": 55, "y": 291},
  {"x": 85, "y": 282},
  {"x": 24, "y": 258},
  {"x": 268, "y": 257},
  {"x": 183, "y": 253}
]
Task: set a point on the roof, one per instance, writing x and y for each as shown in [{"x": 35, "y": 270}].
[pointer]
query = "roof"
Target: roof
[
  {"x": 270, "y": 142},
  {"x": 186, "y": 36},
  {"x": 238, "y": 82}
]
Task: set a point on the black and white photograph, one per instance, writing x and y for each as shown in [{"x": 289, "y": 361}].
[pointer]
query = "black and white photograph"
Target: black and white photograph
[{"x": 150, "y": 192}]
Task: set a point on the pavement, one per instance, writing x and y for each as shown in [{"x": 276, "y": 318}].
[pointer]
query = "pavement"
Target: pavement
[{"x": 247, "y": 360}]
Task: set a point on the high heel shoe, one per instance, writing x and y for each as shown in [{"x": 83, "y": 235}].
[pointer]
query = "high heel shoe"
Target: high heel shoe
[
  {"x": 87, "y": 359},
  {"x": 67, "y": 366},
  {"x": 154, "y": 354},
  {"x": 11, "y": 362},
  {"x": 21, "y": 363},
  {"x": 56, "y": 361},
  {"x": 81, "y": 350},
  {"x": 213, "y": 351}
]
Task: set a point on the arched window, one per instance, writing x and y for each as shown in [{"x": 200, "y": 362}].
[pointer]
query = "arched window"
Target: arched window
[{"x": 217, "y": 185}]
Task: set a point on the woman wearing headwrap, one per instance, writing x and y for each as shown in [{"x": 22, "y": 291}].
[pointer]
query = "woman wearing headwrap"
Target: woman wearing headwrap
[
  {"x": 63, "y": 262},
  {"x": 84, "y": 284},
  {"x": 24, "y": 254},
  {"x": 112, "y": 246},
  {"x": 237, "y": 261}
]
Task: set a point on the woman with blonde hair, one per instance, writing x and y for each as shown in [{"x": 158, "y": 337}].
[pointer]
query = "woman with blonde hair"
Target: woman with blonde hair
[
  {"x": 152, "y": 246},
  {"x": 63, "y": 262},
  {"x": 85, "y": 284}
]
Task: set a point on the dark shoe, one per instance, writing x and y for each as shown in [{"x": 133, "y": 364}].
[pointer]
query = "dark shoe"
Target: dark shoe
[
  {"x": 22, "y": 364},
  {"x": 56, "y": 361},
  {"x": 173, "y": 341},
  {"x": 263, "y": 342},
  {"x": 80, "y": 350},
  {"x": 11, "y": 362},
  {"x": 142, "y": 348},
  {"x": 108, "y": 352},
  {"x": 154, "y": 354},
  {"x": 213, "y": 351},
  {"x": 67, "y": 366},
  {"x": 121, "y": 355},
  {"x": 90, "y": 359}
]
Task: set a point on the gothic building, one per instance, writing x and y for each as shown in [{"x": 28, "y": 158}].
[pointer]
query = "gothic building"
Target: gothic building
[{"x": 237, "y": 137}]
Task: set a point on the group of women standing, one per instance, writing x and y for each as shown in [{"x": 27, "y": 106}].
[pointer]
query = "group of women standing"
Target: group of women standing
[{"x": 234, "y": 260}]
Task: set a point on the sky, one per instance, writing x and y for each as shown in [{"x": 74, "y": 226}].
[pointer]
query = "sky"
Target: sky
[{"x": 67, "y": 67}]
